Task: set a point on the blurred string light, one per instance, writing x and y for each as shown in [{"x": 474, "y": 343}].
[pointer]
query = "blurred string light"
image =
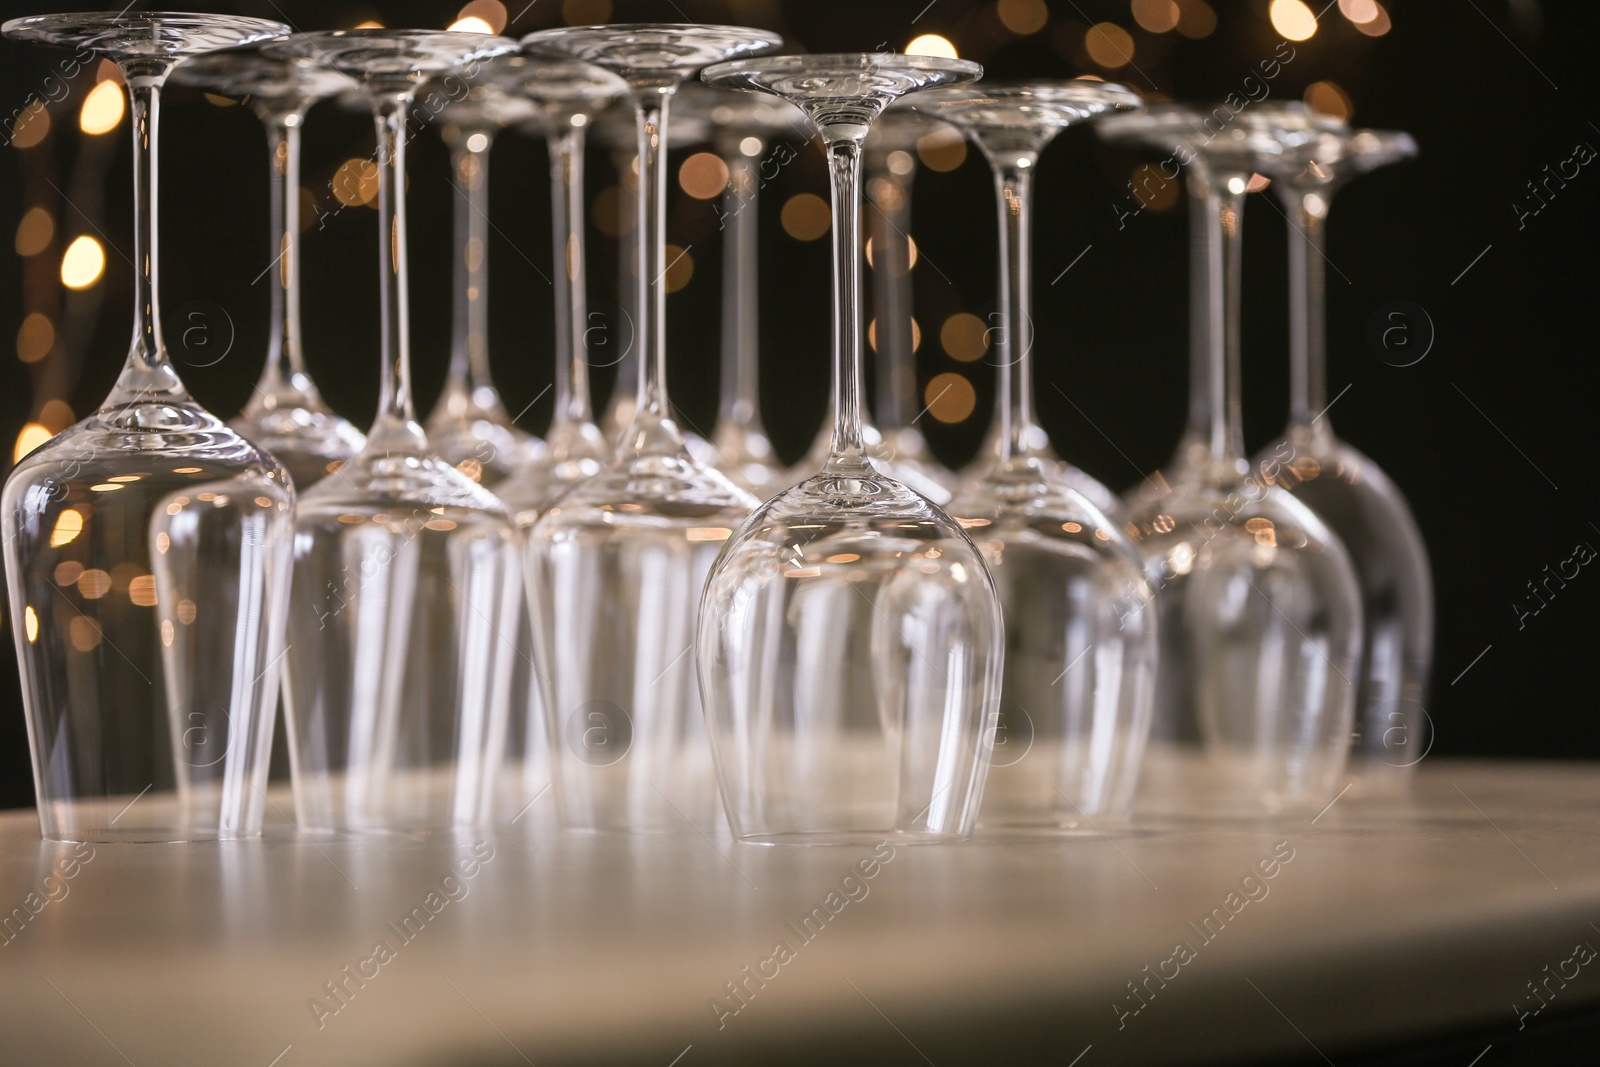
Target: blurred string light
[
  {"x": 35, "y": 337},
  {"x": 1376, "y": 26},
  {"x": 942, "y": 150},
  {"x": 964, "y": 336},
  {"x": 491, "y": 14},
  {"x": 1329, "y": 99},
  {"x": 32, "y": 127},
  {"x": 1023, "y": 17},
  {"x": 356, "y": 182},
  {"x": 83, "y": 263},
  {"x": 950, "y": 397},
  {"x": 680, "y": 268},
  {"x": 470, "y": 24},
  {"x": 1293, "y": 19},
  {"x": 1359, "y": 11},
  {"x": 370, "y": 24},
  {"x": 703, "y": 175},
  {"x": 35, "y": 231},
  {"x": 806, "y": 216},
  {"x": 931, "y": 44},
  {"x": 1196, "y": 19},
  {"x": 102, "y": 109},
  {"x": 911, "y": 252},
  {"x": 916, "y": 335},
  {"x": 585, "y": 12},
  {"x": 32, "y": 436},
  {"x": 1257, "y": 183},
  {"x": 1109, "y": 45},
  {"x": 1156, "y": 16}
]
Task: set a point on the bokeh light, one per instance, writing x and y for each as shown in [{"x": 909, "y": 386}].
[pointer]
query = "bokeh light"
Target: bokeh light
[
  {"x": 1109, "y": 45},
  {"x": 931, "y": 44},
  {"x": 102, "y": 109},
  {"x": 83, "y": 263},
  {"x": 806, "y": 216},
  {"x": 1157, "y": 16},
  {"x": 35, "y": 231},
  {"x": 950, "y": 397},
  {"x": 1293, "y": 19},
  {"x": 964, "y": 336},
  {"x": 1329, "y": 99},
  {"x": 703, "y": 175},
  {"x": 1023, "y": 17}
]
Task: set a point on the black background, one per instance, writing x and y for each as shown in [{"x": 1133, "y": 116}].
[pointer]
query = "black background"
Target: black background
[{"x": 1486, "y": 435}]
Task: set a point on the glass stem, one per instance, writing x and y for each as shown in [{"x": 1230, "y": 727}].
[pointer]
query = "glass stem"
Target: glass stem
[
  {"x": 1214, "y": 417},
  {"x": 891, "y": 293},
  {"x": 469, "y": 350},
  {"x": 285, "y": 368},
  {"x": 1308, "y": 355},
  {"x": 844, "y": 165},
  {"x": 572, "y": 403},
  {"x": 624, "y": 161},
  {"x": 650, "y": 283},
  {"x": 395, "y": 429},
  {"x": 148, "y": 375},
  {"x": 740, "y": 402},
  {"x": 1014, "y": 195}
]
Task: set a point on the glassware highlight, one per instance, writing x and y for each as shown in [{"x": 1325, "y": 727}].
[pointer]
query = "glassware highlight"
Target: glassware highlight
[
  {"x": 1347, "y": 490},
  {"x": 1080, "y": 617},
  {"x": 1260, "y": 611},
  {"x": 404, "y": 602},
  {"x": 147, "y": 547},
  {"x": 469, "y": 425},
  {"x": 615, "y": 569},
  {"x": 850, "y": 636},
  {"x": 286, "y": 414},
  {"x": 566, "y": 96},
  {"x": 741, "y": 128}
]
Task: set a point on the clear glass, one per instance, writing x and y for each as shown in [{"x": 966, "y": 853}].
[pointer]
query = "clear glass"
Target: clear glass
[
  {"x": 566, "y": 96},
  {"x": 469, "y": 425},
  {"x": 147, "y": 547},
  {"x": 1080, "y": 617},
  {"x": 404, "y": 609},
  {"x": 1260, "y": 611},
  {"x": 1346, "y": 489},
  {"x": 850, "y": 637},
  {"x": 286, "y": 414},
  {"x": 615, "y": 569},
  {"x": 890, "y": 167}
]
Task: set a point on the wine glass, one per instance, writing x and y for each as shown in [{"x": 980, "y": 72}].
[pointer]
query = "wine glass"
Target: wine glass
[
  {"x": 469, "y": 424},
  {"x": 565, "y": 96},
  {"x": 405, "y": 569},
  {"x": 147, "y": 547},
  {"x": 1347, "y": 490},
  {"x": 1260, "y": 611},
  {"x": 286, "y": 414},
  {"x": 615, "y": 569},
  {"x": 1080, "y": 617},
  {"x": 850, "y": 638}
]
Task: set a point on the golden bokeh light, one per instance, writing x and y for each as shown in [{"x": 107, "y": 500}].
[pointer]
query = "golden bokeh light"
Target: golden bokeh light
[
  {"x": 83, "y": 263},
  {"x": 356, "y": 182},
  {"x": 32, "y": 436},
  {"x": 35, "y": 231},
  {"x": 69, "y": 524},
  {"x": 102, "y": 109},
  {"x": 492, "y": 13},
  {"x": 31, "y": 127},
  {"x": 964, "y": 336},
  {"x": 94, "y": 583},
  {"x": 35, "y": 337},
  {"x": 1152, "y": 188},
  {"x": 806, "y": 216},
  {"x": 1378, "y": 25},
  {"x": 84, "y": 633},
  {"x": 1196, "y": 19},
  {"x": 703, "y": 175},
  {"x": 1109, "y": 45},
  {"x": 67, "y": 571},
  {"x": 950, "y": 397},
  {"x": 680, "y": 268},
  {"x": 1023, "y": 17},
  {"x": 30, "y": 623},
  {"x": 1328, "y": 98},
  {"x": 56, "y": 415},
  {"x": 142, "y": 591},
  {"x": 1157, "y": 16},
  {"x": 1359, "y": 11},
  {"x": 470, "y": 24},
  {"x": 931, "y": 44},
  {"x": 943, "y": 150},
  {"x": 1293, "y": 19}
]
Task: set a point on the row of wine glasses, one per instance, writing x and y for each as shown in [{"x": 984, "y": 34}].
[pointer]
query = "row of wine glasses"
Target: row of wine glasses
[{"x": 471, "y": 614}]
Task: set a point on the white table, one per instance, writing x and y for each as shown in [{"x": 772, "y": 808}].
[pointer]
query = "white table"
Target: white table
[{"x": 1387, "y": 923}]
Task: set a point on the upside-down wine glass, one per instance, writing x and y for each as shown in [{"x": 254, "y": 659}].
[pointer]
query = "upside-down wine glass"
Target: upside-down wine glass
[
  {"x": 850, "y": 638},
  {"x": 469, "y": 424},
  {"x": 615, "y": 569},
  {"x": 1260, "y": 612},
  {"x": 147, "y": 547},
  {"x": 1347, "y": 490},
  {"x": 286, "y": 414},
  {"x": 566, "y": 95},
  {"x": 741, "y": 127},
  {"x": 404, "y": 602},
  {"x": 1080, "y": 617}
]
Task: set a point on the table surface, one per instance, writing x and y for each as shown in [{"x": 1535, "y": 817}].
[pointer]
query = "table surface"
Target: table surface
[{"x": 1379, "y": 922}]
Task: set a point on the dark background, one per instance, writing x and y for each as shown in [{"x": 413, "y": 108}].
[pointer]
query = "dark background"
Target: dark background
[{"x": 1484, "y": 434}]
